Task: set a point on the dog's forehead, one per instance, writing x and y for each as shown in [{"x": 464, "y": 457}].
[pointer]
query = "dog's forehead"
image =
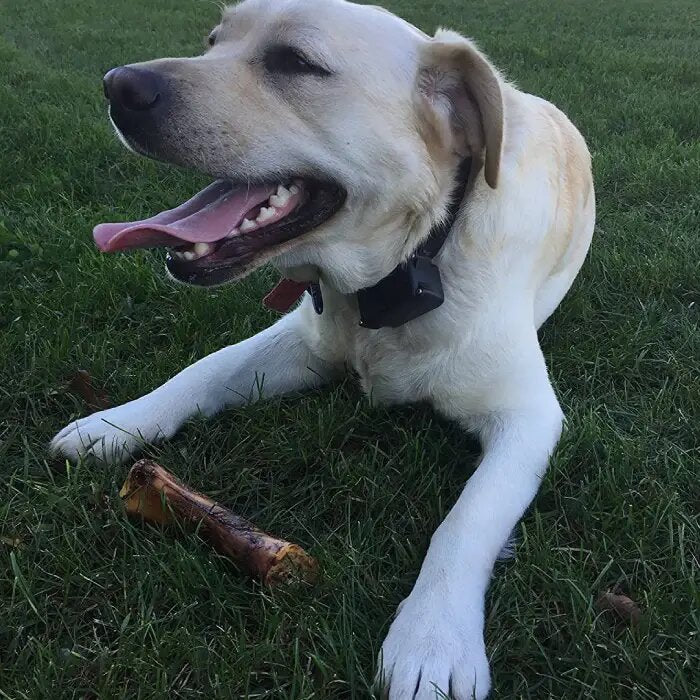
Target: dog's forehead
[{"x": 336, "y": 24}]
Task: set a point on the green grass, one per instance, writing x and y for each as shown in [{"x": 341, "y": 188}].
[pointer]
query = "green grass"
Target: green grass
[{"x": 94, "y": 606}]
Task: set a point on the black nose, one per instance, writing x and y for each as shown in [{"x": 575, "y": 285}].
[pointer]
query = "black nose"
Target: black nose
[{"x": 136, "y": 89}]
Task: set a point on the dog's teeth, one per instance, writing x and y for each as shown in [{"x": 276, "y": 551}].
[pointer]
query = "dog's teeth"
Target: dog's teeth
[
  {"x": 294, "y": 189},
  {"x": 265, "y": 214},
  {"x": 202, "y": 249},
  {"x": 234, "y": 232},
  {"x": 189, "y": 255},
  {"x": 247, "y": 225},
  {"x": 281, "y": 197}
]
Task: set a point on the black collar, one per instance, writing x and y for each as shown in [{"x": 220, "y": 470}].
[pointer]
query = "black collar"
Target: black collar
[{"x": 413, "y": 288}]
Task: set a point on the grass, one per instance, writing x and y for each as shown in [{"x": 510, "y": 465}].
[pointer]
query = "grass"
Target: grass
[{"x": 94, "y": 606}]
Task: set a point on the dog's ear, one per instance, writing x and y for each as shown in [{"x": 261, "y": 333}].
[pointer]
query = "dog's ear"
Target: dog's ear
[{"x": 460, "y": 100}]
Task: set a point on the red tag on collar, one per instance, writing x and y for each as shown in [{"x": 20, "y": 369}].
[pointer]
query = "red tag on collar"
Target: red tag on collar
[{"x": 284, "y": 295}]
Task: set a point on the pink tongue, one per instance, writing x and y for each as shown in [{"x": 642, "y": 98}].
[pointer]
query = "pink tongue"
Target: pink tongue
[{"x": 209, "y": 216}]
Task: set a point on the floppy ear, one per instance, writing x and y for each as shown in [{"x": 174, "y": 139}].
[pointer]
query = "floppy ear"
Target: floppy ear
[{"x": 460, "y": 98}]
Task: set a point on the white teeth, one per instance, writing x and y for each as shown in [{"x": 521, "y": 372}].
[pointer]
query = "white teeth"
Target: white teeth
[
  {"x": 281, "y": 197},
  {"x": 294, "y": 189},
  {"x": 197, "y": 251},
  {"x": 233, "y": 232},
  {"x": 265, "y": 214},
  {"x": 202, "y": 249},
  {"x": 247, "y": 225}
]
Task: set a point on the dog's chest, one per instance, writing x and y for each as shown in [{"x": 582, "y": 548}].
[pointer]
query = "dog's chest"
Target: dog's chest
[
  {"x": 387, "y": 374},
  {"x": 393, "y": 365}
]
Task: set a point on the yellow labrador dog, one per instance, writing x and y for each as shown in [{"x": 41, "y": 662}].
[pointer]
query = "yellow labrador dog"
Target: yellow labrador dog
[{"x": 441, "y": 214}]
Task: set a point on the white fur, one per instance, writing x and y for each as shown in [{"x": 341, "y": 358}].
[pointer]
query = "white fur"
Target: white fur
[{"x": 509, "y": 260}]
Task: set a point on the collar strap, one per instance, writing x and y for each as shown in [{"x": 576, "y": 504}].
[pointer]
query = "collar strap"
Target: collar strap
[{"x": 438, "y": 233}]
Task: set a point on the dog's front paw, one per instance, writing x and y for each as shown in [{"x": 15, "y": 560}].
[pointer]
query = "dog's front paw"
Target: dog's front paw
[
  {"x": 111, "y": 436},
  {"x": 434, "y": 649}
]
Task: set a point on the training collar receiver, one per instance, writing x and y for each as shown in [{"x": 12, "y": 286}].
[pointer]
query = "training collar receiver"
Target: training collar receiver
[{"x": 409, "y": 291}]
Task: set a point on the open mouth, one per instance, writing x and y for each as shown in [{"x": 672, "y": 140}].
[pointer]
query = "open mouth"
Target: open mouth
[{"x": 215, "y": 236}]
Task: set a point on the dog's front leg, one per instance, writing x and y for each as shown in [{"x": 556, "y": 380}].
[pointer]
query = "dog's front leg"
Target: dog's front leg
[
  {"x": 435, "y": 646},
  {"x": 276, "y": 361}
]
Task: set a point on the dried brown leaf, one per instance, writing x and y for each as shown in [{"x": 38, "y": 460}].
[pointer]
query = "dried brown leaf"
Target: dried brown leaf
[
  {"x": 83, "y": 386},
  {"x": 625, "y": 608}
]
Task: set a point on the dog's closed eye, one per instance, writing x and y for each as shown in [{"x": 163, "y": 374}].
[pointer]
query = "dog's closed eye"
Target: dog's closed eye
[{"x": 287, "y": 60}]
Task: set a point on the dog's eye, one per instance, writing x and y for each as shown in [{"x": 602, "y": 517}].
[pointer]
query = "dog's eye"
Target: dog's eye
[{"x": 286, "y": 60}]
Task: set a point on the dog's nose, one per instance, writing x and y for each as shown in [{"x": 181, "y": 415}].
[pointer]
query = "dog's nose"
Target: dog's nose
[{"x": 136, "y": 89}]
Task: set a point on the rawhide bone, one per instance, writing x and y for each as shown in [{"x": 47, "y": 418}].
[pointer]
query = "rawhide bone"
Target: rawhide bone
[{"x": 153, "y": 493}]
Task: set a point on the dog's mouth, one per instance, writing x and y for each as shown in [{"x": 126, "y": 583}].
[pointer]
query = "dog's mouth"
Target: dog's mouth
[{"x": 218, "y": 234}]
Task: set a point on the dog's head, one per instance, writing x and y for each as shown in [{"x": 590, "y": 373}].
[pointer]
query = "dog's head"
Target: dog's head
[{"x": 334, "y": 131}]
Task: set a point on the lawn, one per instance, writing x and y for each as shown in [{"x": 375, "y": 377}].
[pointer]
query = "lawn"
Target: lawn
[{"x": 96, "y": 606}]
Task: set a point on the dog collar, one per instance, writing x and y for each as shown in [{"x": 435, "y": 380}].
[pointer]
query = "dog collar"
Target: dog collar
[{"x": 412, "y": 289}]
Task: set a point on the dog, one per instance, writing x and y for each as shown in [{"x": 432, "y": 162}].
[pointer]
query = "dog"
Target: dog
[{"x": 343, "y": 141}]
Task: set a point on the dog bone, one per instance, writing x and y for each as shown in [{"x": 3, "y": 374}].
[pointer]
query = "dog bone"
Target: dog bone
[{"x": 153, "y": 493}]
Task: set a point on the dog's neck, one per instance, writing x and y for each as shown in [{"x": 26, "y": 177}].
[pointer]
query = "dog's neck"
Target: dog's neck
[{"x": 411, "y": 290}]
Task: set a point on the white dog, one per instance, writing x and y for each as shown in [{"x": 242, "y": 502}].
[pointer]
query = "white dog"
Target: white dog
[{"x": 337, "y": 132}]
